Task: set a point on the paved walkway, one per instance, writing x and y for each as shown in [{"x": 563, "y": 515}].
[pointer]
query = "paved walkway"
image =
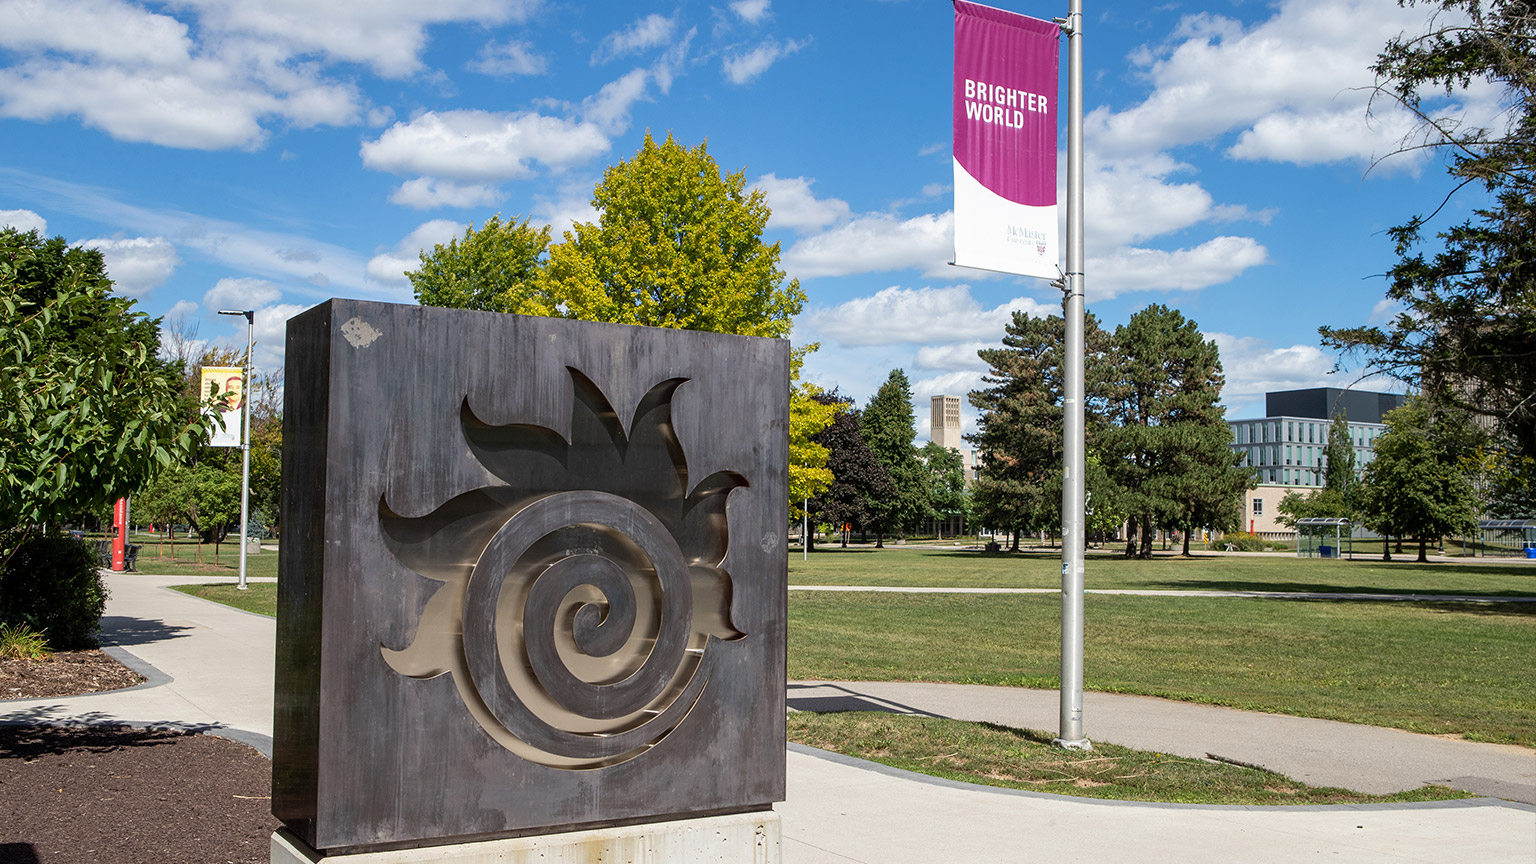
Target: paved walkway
[{"x": 211, "y": 667}]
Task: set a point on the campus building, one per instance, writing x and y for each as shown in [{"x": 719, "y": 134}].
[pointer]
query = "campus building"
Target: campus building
[
  {"x": 1286, "y": 447},
  {"x": 945, "y": 432}
]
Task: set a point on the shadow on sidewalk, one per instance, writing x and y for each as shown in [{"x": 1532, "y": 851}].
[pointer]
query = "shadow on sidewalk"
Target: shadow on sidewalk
[
  {"x": 845, "y": 699},
  {"x": 123, "y": 630}
]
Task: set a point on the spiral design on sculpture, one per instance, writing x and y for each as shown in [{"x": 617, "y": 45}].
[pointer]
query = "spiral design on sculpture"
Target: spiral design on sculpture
[{"x": 578, "y": 629}]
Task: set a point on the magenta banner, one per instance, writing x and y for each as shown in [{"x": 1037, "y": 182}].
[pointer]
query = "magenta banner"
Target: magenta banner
[{"x": 1006, "y": 82}]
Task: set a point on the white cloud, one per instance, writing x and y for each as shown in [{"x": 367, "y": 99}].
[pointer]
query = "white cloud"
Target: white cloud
[
  {"x": 573, "y": 204},
  {"x": 202, "y": 103},
  {"x": 918, "y": 315},
  {"x": 957, "y": 357},
  {"x": 181, "y": 310},
  {"x": 795, "y": 206},
  {"x": 481, "y": 146},
  {"x": 1254, "y": 367},
  {"x": 878, "y": 242},
  {"x": 1295, "y": 74},
  {"x": 137, "y": 264},
  {"x": 241, "y": 293},
  {"x": 387, "y": 35},
  {"x": 647, "y": 32},
  {"x": 671, "y": 62},
  {"x": 215, "y": 74},
  {"x": 751, "y": 11},
  {"x": 288, "y": 256},
  {"x": 741, "y": 68},
  {"x": 609, "y": 108},
  {"x": 1385, "y": 310},
  {"x": 948, "y": 384},
  {"x": 389, "y": 267},
  {"x": 425, "y": 193},
  {"x": 509, "y": 60},
  {"x": 270, "y": 331},
  {"x": 934, "y": 149},
  {"x": 24, "y": 221},
  {"x": 1213, "y": 262},
  {"x": 103, "y": 30}
]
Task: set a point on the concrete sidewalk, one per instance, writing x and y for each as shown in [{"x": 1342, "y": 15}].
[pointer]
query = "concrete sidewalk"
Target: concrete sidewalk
[{"x": 211, "y": 667}]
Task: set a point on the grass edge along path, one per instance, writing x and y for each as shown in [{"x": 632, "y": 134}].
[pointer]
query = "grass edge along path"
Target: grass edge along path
[
  {"x": 994, "y": 755},
  {"x": 259, "y": 597},
  {"x": 1430, "y": 668}
]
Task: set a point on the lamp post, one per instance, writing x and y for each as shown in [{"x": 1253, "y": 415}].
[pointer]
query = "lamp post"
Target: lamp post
[{"x": 245, "y": 434}]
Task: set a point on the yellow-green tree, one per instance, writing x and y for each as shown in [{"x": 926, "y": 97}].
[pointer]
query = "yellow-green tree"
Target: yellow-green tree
[{"x": 676, "y": 244}]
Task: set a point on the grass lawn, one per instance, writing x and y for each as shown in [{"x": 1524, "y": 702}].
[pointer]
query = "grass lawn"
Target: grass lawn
[
  {"x": 1432, "y": 668},
  {"x": 156, "y": 558},
  {"x": 259, "y": 597},
  {"x": 1024, "y": 759},
  {"x": 953, "y": 568}
]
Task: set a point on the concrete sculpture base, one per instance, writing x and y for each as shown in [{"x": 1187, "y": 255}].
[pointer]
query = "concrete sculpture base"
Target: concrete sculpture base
[{"x": 743, "y": 838}]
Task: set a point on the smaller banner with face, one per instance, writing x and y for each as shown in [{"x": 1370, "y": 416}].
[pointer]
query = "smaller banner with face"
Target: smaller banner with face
[
  {"x": 1006, "y": 82},
  {"x": 223, "y": 392}
]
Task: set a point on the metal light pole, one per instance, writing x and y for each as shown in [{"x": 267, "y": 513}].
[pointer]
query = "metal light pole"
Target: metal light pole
[
  {"x": 1073, "y": 486},
  {"x": 245, "y": 435}
]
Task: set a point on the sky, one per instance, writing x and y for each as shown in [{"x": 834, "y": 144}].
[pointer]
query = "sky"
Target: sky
[{"x": 270, "y": 155}]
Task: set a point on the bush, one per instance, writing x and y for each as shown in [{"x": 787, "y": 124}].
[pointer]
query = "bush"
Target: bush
[
  {"x": 52, "y": 584},
  {"x": 1241, "y": 541}
]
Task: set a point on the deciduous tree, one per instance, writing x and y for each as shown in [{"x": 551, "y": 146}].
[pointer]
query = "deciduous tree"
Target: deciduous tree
[
  {"x": 859, "y": 481},
  {"x": 1417, "y": 483},
  {"x": 88, "y": 412}
]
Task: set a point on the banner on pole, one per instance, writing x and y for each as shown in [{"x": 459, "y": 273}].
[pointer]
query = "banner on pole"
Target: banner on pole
[
  {"x": 1006, "y": 81},
  {"x": 224, "y": 387}
]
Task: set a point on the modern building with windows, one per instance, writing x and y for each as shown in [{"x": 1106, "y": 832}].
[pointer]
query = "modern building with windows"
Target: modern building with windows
[{"x": 1286, "y": 447}]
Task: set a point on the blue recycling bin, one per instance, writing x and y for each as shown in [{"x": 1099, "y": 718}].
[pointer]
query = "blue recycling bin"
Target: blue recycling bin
[{"x": 1530, "y": 551}]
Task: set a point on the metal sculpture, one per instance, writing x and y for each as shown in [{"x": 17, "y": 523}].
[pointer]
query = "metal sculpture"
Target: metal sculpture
[{"x": 533, "y": 576}]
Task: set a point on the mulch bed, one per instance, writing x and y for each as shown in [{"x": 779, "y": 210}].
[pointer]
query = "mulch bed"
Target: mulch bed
[
  {"x": 131, "y": 796},
  {"x": 122, "y": 795},
  {"x": 63, "y": 673}
]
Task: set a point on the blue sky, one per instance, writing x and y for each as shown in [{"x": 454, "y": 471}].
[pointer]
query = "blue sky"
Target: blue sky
[{"x": 272, "y": 154}]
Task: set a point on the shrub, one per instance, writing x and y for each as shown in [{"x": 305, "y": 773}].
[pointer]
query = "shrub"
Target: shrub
[
  {"x": 51, "y": 584},
  {"x": 1241, "y": 541},
  {"x": 20, "y": 642}
]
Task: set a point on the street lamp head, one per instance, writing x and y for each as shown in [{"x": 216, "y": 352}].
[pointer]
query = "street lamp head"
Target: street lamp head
[{"x": 248, "y": 314}]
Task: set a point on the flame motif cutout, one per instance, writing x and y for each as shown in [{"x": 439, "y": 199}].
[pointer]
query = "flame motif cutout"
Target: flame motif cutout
[{"x": 580, "y": 597}]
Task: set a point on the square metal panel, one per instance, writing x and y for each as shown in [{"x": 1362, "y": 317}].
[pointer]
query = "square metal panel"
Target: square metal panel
[{"x": 532, "y": 575}]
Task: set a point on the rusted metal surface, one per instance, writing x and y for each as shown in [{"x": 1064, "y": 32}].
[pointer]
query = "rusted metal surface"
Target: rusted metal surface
[{"x": 532, "y": 575}]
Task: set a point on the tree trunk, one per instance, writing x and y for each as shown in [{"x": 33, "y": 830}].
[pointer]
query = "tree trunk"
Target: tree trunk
[
  {"x": 1147, "y": 532},
  {"x": 1015, "y": 545},
  {"x": 879, "y": 539},
  {"x": 1130, "y": 537},
  {"x": 1186, "y": 544},
  {"x": 1423, "y": 548}
]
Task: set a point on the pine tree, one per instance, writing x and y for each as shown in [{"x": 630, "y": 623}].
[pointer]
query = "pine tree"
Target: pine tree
[
  {"x": 1019, "y": 431},
  {"x": 1168, "y": 448},
  {"x": 889, "y": 429}
]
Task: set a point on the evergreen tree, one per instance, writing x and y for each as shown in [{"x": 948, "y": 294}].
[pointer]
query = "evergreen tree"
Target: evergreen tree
[
  {"x": 859, "y": 481},
  {"x": 1339, "y": 458},
  {"x": 1019, "y": 432},
  {"x": 889, "y": 429},
  {"x": 1467, "y": 332},
  {"x": 1168, "y": 448}
]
